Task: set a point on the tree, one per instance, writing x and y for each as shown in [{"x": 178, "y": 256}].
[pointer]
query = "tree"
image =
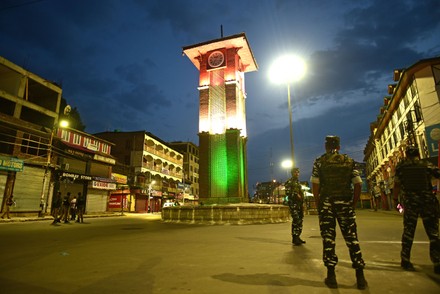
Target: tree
[{"x": 73, "y": 117}]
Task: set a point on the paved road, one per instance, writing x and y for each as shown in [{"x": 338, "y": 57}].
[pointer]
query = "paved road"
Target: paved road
[{"x": 140, "y": 254}]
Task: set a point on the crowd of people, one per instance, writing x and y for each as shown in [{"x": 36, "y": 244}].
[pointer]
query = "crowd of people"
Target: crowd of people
[
  {"x": 68, "y": 208},
  {"x": 336, "y": 187}
]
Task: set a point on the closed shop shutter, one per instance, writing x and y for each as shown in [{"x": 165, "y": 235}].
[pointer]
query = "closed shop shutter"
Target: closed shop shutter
[
  {"x": 141, "y": 203},
  {"x": 96, "y": 200},
  {"x": 27, "y": 189}
]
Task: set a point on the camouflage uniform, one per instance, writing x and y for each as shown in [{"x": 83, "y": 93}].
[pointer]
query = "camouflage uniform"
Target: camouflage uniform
[
  {"x": 336, "y": 204},
  {"x": 332, "y": 178},
  {"x": 413, "y": 178},
  {"x": 295, "y": 199}
]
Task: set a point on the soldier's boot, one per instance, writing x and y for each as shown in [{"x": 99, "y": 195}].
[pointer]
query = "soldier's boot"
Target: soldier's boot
[
  {"x": 407, "y": 265},
  {"x": 360, "y": 279},
  {"x": 330, "y": 281},
  {"x": 296, "y": 240}
]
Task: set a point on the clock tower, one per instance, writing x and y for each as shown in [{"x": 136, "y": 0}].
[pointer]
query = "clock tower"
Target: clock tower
[{"x": 222, "y": 64}]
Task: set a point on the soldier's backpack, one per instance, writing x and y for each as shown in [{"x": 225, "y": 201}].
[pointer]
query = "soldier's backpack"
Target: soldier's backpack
[
  {"x": 335, "y": 176},
  {"x": 414, "y": 177}
]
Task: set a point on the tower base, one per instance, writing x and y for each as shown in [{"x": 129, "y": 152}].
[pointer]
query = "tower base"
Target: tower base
[{"x": 232, "y": 214}]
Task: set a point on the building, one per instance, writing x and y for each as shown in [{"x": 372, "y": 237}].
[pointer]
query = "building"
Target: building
[
  {"x": 29, "y": 110},
  {"x": 190, "y": 153},
  {"x": 154, "y": 168},
  {"x": 410, "y": 115},
  {"x": 83, "y": 164},
  {"x": 222, "y": 64}
]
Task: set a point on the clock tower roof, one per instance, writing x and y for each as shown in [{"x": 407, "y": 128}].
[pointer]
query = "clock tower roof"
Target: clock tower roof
[{"x": 234, "y": 41}]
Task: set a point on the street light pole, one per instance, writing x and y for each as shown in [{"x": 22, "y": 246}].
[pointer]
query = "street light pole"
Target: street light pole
[
  {"x": 285, "y": 70},
  {"x": 290, "y": 125},
  {"x": 45, "y": 200}
]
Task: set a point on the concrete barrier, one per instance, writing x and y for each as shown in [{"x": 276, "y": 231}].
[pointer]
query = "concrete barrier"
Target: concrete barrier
[{"x": 234, "y": 214}]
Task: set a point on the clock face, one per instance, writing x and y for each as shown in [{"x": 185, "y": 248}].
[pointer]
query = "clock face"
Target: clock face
[{"x": 216, "y": 59}]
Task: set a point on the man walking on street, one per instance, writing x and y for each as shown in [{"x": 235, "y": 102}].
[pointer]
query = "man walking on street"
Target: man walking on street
[
  {"x": 414, "y": 179},
  {"x": 333, "y": 175},
  {"x": 295, "y": 199},
  {"x": 7, "y": 207}
]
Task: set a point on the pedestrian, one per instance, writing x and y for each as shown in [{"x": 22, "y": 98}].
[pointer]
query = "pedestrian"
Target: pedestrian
[
  {"x": 376, "y": 196},
  {"x": 65, "y": 208},
  {"x": 7, "y": 207},
  {"x": 413, "y": 178},
  {"x": 73, "y": 208},
  {"x": 295, "y": 200},
  {"x": 56, "y": 206},
  {"x": 333, "y": 176},
  {"x": 80, "y": 203}
]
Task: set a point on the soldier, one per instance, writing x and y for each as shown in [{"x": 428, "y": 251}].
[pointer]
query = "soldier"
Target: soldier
[
  {"x": 295, "y": 199},
  {"x": 332, "y": 177},
  {"x": 413, "y": 177}
]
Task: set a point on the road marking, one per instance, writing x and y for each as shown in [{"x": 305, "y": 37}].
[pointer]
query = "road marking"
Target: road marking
[{"x": 394, "y": 242}]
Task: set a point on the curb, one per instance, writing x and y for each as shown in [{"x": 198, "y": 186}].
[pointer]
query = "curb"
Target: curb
[{"x": 50, "y": 218}]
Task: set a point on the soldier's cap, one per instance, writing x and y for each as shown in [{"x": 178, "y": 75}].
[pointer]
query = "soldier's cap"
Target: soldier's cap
[
  {"x": 295, "y": 170},
  {"x": 332, "y": 141},
  {"x": 412, "y": 151}
]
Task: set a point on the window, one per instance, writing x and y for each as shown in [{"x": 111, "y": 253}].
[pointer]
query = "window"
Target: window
[
  {"x": 104, "y": 148},
  {"x": 413, "y": 88},
  {"x": 406, "y": 101},
  {"x": 86, "y": 142},
  {"x": 65, "y": 135},
  {"x": 33, "y": 145},
  {"x": 76, "y": 139}
]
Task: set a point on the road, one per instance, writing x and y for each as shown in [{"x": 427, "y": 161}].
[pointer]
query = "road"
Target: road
[{"x": 140, "y": 254}]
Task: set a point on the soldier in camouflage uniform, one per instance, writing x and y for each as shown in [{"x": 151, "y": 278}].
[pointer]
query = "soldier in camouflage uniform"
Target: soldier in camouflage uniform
[
  {"x": 295, "y": 200},
  {"x": 332, "y": 178},
  {"x": 413, "y": 178}
]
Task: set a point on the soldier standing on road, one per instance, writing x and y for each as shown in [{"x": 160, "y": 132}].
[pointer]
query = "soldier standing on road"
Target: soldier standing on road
[
  {"x": 413, "y": 178},
  {"x": 332, "y": 177},
  {"x": 295, "y": 199}
]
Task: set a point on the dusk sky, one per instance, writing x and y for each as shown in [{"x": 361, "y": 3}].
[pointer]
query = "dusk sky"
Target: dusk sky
[{"x": 120, "y": 64}]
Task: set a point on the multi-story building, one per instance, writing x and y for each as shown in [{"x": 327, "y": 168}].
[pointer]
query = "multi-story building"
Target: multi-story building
[
  {"x": 190, "y": 153},
  {"x": 29, "y": 110},
  {"x": 409, "y": 116},
  {"x": 156, "y": 168},
  {"x": 84, "y": 165},
  {"x": 38, "y": 156}
]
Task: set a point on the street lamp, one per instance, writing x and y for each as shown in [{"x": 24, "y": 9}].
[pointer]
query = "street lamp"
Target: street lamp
[
  {"x": 44, "y": 201},
  {"x": 287, "y": 164},
  {"x": 285, "y": 70}
]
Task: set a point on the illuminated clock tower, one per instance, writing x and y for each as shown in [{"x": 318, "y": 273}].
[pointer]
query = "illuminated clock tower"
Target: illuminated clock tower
[{"x": 222, "y": 117}]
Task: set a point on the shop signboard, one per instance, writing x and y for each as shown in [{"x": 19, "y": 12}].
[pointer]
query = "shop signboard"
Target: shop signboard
[
  {"x": 11, "y": 164},
  {"x": 433, "y": 139}
]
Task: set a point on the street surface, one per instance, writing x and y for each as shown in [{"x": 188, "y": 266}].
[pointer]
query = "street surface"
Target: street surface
[{"x": 140, "y": 254}]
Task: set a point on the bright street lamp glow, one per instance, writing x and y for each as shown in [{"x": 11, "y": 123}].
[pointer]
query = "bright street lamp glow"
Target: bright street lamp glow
[
  {"x": 286, "y": 163},
  {"x": 287, "y": 69},
  {"x": 64, "y": 123}
]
